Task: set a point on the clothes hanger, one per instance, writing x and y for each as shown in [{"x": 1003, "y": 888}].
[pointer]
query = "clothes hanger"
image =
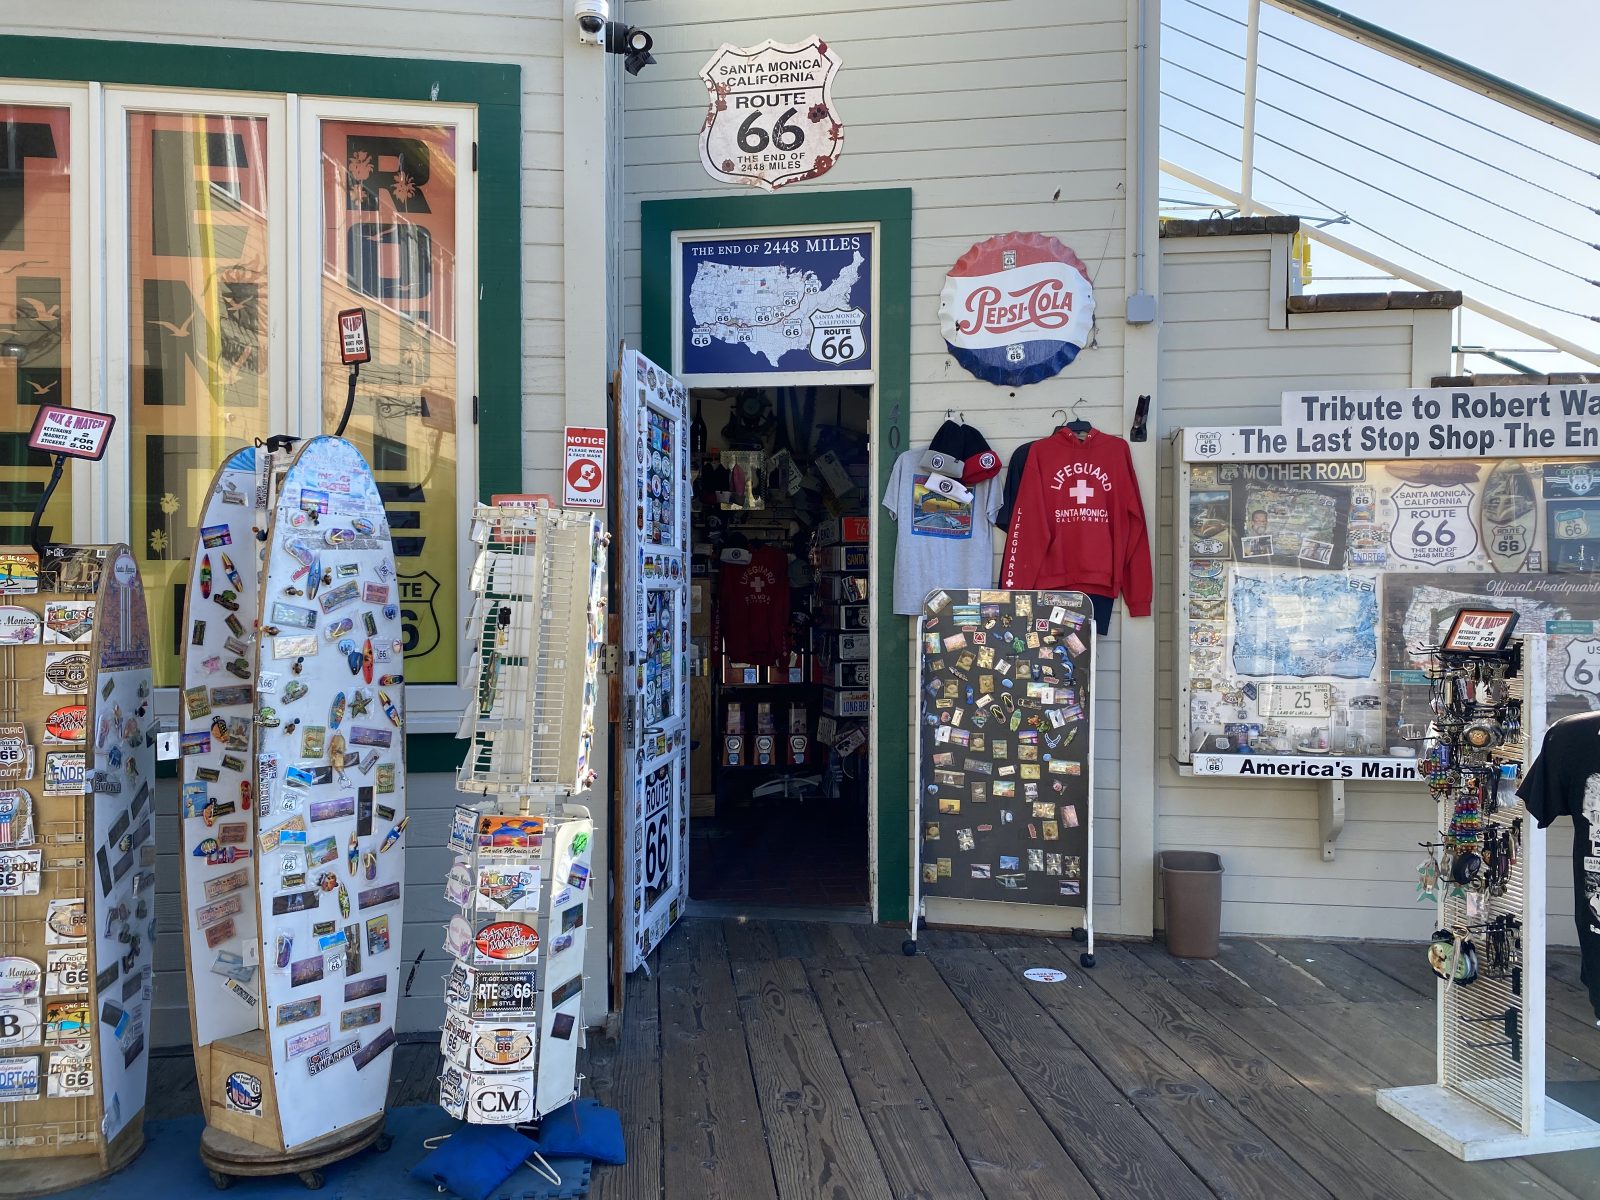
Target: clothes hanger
[{"x": 1077, "y": 425}]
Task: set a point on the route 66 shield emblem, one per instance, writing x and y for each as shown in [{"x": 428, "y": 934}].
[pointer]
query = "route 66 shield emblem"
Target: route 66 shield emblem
[{"x": 836, "y": 335}]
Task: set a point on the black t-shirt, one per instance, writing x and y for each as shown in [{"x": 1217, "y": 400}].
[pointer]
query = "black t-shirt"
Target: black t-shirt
[{"x": 1565, "y": 781}]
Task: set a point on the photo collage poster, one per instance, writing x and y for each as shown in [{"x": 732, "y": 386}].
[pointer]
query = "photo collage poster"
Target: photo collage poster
[
  {"x": 1007, "y": 735},
  {"x": 1312, "y": 587}
]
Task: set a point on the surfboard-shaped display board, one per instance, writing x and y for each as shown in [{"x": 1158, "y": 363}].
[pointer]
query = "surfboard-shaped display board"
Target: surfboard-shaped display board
[
  {"x": 1509, "y": 515},
  {"x": 77, "y": 866},
  {"x": 217, "y": 761},
  {"x": 297, "y": 914}
]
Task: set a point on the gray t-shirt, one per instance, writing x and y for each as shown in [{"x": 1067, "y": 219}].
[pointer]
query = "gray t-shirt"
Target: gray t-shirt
[{"x": 941, "y": 542}]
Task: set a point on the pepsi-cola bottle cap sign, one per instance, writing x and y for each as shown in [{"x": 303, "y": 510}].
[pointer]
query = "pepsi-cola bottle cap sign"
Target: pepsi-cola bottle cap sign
[{"x": 1017, "y": 308}]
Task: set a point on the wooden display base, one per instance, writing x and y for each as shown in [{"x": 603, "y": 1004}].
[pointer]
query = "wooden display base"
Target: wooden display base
[
  {"x": 1473, "y": 1134},
  {"x": 227, "y": 1157},
  {"x": 24, "y": 1178}
]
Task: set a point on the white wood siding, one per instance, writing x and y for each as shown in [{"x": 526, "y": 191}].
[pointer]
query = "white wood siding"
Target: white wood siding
[
  {"x": 1222, "y": 363},
  {"x": 532, "y": 34},
  {"x": 999, "y": 117}
]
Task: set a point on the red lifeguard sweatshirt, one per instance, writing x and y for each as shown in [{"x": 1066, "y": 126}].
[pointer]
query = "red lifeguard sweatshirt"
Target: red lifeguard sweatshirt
[
  {"x": 1079, "y": 522},
  {"x": 753, "y": 607}
]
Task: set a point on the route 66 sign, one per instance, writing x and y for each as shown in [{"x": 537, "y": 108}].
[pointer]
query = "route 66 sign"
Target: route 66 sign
[
  {"x": 1583, "y": 666},
  {"x": 16, "y": 754},
  {"x": 836, "y": 335},
  {"x": 771, "y": 120},
  {"x": 1432, "y": 523}
]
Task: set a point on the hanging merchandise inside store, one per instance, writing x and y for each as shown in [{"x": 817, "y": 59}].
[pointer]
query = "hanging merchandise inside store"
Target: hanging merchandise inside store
[{"x": 780, "y": 696}]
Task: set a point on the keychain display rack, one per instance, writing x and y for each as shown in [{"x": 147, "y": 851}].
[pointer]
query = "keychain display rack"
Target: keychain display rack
[
  {"x": 1489, "y": 1099},
  {"x": 293, "y": 808},
  {"x": 521, "y": 876},
  {"x": 77, "y": 864}
]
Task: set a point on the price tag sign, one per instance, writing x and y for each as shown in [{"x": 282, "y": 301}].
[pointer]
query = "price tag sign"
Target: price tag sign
[
  {"x": 1481, "y": 630},
  {"x": 353, "y": 345},
  {"x": 75, "y": 432}
]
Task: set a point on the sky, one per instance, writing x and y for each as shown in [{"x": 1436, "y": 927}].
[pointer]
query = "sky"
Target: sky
[
  {"x": 1528, "y": 51},
  {"x": 1498, "y": 204}
]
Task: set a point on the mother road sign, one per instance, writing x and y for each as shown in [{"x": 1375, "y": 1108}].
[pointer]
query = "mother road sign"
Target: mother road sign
[{"x": 771, "y": 119}]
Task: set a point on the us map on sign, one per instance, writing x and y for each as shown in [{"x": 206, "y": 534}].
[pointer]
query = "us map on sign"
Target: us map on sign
[{"x": 780, "y": 303}]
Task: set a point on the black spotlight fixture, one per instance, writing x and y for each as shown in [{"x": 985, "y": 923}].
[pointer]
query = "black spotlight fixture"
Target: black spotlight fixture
[{"x": 633, "y": 43}]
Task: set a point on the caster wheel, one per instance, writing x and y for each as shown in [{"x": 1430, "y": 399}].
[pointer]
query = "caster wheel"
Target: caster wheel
[
  {"x": 312, "y": 1179},
  {"x": 385, "y": 1140},
  {"x": 1080, "y": 934},
  {"x": 909, "y": 948},
  {"x": 1086, "y": 959},
  {"x": 220, "y": 1181}
]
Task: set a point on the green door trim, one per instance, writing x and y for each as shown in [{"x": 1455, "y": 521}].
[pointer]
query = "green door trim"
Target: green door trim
[
  {"x": 494, "y": 88},
  {"x": 890, "y": 209}
]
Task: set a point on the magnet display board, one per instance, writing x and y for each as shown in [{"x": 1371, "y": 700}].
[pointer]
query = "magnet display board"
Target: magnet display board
[
  {"x": 217, "y": 764},
  {"x": 1006, "y": 774},
  {"x": 293, "y": 785},
  {"x": 77, "y": 859}
]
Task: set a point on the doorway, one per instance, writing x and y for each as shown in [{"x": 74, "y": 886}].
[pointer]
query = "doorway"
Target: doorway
[{"x": 780, "y": 665}]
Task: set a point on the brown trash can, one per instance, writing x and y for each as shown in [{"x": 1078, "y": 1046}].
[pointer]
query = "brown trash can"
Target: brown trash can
[{"x": 1191, "y": 889}]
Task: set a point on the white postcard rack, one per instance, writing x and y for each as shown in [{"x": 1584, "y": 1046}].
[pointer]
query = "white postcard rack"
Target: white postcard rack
[{"x": 536, "y": 625}]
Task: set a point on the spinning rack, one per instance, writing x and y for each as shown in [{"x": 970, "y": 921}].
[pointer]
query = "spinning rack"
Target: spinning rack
[
  {"x": 538, "y": 582},
  {"x": 520, "y": 878},
  {"x": 1489, "y": 1099}
]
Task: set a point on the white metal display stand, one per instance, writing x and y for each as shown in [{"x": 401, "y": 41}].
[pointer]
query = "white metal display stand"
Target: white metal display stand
[
  {"x": 521, "y": 877},
  {"x": 1489, "y": 1099}
]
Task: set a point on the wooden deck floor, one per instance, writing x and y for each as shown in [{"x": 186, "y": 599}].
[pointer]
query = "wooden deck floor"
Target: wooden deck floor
[
  {"x": 790, "y": 1060},
  {"x": 797, "y": 1061}
]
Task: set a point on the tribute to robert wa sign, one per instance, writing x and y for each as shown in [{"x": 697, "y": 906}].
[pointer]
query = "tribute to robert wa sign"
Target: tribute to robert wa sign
[{"x": 1416, "y": 423}]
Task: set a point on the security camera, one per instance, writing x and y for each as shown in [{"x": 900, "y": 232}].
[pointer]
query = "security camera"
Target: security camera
[{"x": 592, "y": 16}]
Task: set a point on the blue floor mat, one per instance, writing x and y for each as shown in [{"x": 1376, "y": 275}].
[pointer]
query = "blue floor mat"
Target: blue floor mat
[{"x": 169, "y": 1166}]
